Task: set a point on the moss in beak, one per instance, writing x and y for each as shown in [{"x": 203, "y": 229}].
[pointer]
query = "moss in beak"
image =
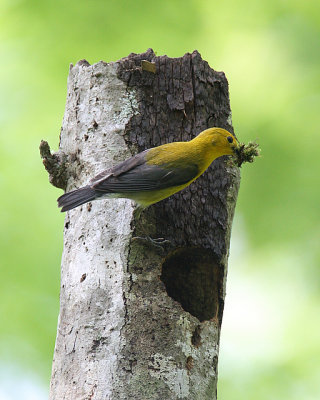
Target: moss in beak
[{"x": 245, "y": 153}]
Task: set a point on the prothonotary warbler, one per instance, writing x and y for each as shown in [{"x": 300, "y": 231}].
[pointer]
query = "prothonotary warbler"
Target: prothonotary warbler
[{"x": 156, "y": 173}]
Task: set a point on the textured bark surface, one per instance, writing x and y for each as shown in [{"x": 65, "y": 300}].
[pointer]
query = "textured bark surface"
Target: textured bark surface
[{"x": 138, "y": 321}]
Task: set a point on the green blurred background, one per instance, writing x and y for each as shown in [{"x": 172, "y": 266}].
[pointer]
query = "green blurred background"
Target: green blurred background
[{"x": 270, "y": 52}]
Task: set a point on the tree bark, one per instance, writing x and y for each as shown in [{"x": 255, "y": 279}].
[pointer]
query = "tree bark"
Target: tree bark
[{"x": 139, "y": 320}]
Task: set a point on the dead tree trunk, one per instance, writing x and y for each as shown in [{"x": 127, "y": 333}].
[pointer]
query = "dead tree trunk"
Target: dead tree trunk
[{"x": 138, "y": 321}]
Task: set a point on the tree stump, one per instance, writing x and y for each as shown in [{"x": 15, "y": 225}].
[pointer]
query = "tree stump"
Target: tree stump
[{"x": 139, "y": 320}]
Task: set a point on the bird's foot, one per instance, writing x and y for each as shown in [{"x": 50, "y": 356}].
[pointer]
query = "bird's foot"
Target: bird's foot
[{"x": 157, "y": 242}]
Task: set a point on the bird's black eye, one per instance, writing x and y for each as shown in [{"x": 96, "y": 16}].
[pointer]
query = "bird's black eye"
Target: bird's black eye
[{"x": 230, "y": 139}]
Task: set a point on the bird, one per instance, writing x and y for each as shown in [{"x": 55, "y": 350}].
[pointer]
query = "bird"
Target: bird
[{"x": 156, "y": 173}]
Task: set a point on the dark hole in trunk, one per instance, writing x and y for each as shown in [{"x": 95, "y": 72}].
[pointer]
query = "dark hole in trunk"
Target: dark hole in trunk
[{"x": 192, "y": 277}]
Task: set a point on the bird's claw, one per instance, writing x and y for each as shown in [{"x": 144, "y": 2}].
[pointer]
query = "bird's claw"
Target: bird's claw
[{"x": 157, "y": 242}]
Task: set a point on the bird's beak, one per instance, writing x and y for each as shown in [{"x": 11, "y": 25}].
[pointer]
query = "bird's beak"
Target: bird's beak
[{"x": 235, "y": 147}]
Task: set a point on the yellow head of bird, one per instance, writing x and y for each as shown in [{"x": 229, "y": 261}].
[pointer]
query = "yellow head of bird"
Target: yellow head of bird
[{"x": 220, "y": 140}]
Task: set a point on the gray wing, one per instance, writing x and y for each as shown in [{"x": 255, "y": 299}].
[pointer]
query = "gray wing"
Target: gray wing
[{"x": 135, "y": 175}]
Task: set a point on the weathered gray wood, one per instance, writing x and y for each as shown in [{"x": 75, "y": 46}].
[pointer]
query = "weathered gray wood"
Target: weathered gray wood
[{"x": 139, "y": 321}]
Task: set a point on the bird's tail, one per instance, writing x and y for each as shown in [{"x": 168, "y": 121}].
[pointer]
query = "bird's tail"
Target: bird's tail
[{"x": 73, "y": 199}]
